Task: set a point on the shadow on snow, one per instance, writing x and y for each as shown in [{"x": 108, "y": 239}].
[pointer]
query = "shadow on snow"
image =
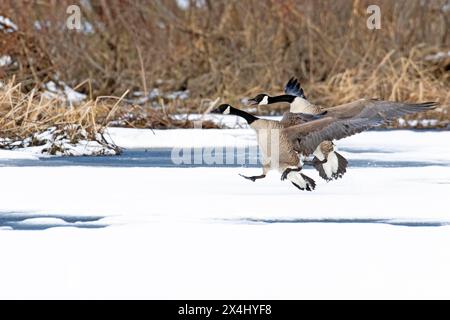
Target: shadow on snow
[
  {"x": 161, "y": 157},
  {"x": 20, "y": 221},
  {"x": 394, "y": 222}
]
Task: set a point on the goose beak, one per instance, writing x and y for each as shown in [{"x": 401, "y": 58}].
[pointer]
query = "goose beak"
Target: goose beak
[{"x": 252, "y": 102}]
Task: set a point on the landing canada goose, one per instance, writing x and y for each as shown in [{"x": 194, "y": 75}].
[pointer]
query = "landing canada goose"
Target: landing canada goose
[
  {"x": 330, "y": 164},
  {"x": 268, "y": 133},
  {"x": 303, "y": 139}
]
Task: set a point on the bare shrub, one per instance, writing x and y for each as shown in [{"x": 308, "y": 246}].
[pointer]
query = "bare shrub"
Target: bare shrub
[{"x": 232, "y": 49}]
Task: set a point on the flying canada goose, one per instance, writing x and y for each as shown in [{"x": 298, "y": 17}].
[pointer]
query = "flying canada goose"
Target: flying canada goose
[
  {"x": 303, "y": 139},
  {"x": 277, "y": 149},
  {"x": 330, "y": 164}
]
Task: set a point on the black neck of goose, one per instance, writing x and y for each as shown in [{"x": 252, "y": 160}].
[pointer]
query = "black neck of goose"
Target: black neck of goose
[
  {"x": 283, "y": 98},
  {"x": 247, "y": 116}
]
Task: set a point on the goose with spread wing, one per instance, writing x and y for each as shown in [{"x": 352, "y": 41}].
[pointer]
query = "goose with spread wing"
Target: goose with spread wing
[
  {"x": 329, "y": 163},
  {"x": 282, "y": 144}
]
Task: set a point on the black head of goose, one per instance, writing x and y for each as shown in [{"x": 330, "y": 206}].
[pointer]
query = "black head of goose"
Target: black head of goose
[
  {"x": 264, "y": 99},
  {"x": 294, "y": 95}
]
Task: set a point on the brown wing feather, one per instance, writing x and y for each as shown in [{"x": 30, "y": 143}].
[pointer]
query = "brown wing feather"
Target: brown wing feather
[
  {"x": 347, "y": 120},
  {"x": 307, "y": 143},
  {"x": 291, "y": 119},
  {"x": 386, "y": 110}
]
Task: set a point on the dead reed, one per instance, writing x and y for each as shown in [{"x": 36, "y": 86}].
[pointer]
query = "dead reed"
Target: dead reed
[
  {"x": 231, "y": 49},
  {"x": 24, "y": 114}
]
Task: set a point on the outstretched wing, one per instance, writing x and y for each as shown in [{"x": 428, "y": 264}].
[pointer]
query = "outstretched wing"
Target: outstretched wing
[
  {"x": 306, "y": 137},
  {"x": 380, "y": 109},
  {"x": 292, "y": 119},
  {"x": 293, "y": 88}
]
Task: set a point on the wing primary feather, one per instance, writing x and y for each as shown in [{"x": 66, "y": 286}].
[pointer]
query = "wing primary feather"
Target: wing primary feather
[{"x": 294, "y": 88}]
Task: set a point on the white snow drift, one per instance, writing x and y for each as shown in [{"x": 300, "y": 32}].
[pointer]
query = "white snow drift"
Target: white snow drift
[{"x": 206, "y": 233}]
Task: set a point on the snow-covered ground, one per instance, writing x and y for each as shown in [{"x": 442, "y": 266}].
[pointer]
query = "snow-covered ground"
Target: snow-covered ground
[
  {"x": 63, "y": 92},
  {"x": 149, "y": 232}
]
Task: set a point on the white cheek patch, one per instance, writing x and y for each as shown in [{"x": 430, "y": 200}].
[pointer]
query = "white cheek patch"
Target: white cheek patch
[
  {"x": 264, "y": 101},
  {"x": 227, "y": 110}
]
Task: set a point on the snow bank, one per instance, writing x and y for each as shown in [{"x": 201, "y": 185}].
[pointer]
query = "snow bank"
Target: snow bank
[
  {"x": 207, "y": 233},
  {"x": 67, "y": 141}
]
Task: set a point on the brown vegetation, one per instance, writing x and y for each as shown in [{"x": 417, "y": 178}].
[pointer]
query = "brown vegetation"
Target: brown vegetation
[
  {"x": 233, "y": 49},
  {"x": 24, "y": 114}
]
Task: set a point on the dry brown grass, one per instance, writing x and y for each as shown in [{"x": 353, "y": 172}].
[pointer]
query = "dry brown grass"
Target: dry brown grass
[
  {"x": 232, "y": 49},
  {"x": 24, "y": 114}
]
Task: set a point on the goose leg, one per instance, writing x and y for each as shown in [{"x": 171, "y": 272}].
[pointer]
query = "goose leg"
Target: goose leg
[
  {"x": 286, "y": 172},
  {"x": 253, "y": 178}
]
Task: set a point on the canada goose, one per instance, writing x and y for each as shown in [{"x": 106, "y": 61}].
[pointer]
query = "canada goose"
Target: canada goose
[
  {"x": 303, "y": 139},
  {"x": 329, "y": 163},
  {"x": 268, "y": 133},
  {"x": 294, "y": 95}
]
